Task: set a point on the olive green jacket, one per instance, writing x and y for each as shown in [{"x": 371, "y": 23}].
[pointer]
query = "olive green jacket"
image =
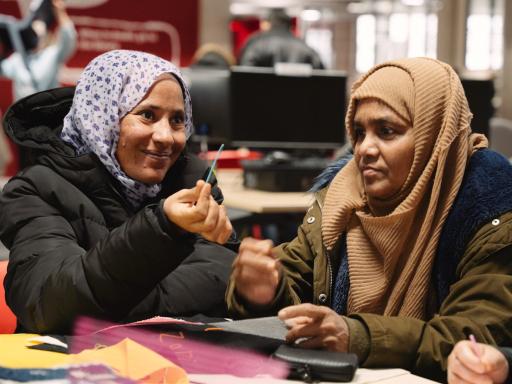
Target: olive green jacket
[{"x": 479, "y": 302}]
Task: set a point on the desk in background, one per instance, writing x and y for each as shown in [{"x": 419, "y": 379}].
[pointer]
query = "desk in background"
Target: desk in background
[
  {"x": 277, "y": 214},
  {"x": 256, "y": 201}
]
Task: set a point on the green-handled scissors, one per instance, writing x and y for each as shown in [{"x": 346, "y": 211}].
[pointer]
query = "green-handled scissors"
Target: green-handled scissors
[{"x": 214, "y": 163}]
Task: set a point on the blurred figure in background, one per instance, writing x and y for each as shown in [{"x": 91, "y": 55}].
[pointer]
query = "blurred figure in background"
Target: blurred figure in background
[
  {"x": 212, "y": 56},
  {"x": 46, "y": 52},
  {"x": 278, "y": 45}
]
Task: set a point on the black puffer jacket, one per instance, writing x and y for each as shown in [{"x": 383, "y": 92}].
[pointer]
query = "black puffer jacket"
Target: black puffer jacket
[{"x": 76, "y": 246}]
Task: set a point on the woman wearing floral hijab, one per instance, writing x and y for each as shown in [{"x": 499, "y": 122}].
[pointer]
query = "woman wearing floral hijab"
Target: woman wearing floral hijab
[
  {"x": 408, "y": 247},
  {"x": 112, "y": 219}
]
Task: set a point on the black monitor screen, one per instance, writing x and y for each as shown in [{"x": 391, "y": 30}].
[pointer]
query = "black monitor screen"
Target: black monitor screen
[
  {"x": 283, "y": 111},
  {"x": 480, "y": 94},
  {"x": 209, "y": 89}
]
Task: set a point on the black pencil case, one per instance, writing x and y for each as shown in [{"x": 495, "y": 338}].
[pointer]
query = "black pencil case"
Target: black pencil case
[{"x": 311, "y": 364}]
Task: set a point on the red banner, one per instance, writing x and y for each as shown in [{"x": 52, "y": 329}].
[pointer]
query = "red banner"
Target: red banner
[{"x": 167, "y": 28}]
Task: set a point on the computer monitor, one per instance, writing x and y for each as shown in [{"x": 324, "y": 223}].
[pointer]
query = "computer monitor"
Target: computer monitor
[
  {"x": 479, "y": 93},
  {"x": 209, "y": 90},
  {"x": 287, "y": 111}
]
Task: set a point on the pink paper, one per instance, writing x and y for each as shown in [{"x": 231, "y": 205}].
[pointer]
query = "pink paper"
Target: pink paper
[{"x": 193, "y": 356}]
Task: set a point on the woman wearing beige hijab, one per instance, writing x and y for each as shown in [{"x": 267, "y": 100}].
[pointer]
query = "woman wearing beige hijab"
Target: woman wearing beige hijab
[{"x": 408, "y": 247}]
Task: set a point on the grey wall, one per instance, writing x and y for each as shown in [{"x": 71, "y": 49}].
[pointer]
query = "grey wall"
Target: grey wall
[
  {"x": 214, "y": 23},
  {"x": 452, "y": 32},
  {"x": 506, "y": 94}
]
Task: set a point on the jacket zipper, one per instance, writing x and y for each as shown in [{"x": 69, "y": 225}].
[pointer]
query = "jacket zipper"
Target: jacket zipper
[
  {"x": 329, "y": 266},
  {"x": 328, "y": 255}
]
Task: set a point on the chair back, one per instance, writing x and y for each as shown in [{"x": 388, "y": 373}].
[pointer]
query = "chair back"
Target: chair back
[{"x": 7, "y": 318}]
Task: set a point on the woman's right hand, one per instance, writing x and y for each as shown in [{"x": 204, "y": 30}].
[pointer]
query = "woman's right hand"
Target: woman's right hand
[
  {"x": 256, "y": 271},
  {"x": 472, "y": 363},
  {"x": 196, "y": 211}
]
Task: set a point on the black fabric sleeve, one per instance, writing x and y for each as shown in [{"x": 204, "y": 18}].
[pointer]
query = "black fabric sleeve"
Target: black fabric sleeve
[
  {"x": 197, "y": 285},
  {"x": 53, "y": 276},
  {"x": 66, "y": 261},
  {"x": 167, "y": 225},
  {"x": 128, "y": 263}
]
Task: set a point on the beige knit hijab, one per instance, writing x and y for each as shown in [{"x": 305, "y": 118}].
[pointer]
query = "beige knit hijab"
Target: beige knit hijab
[{"x": 390, "y": 257}]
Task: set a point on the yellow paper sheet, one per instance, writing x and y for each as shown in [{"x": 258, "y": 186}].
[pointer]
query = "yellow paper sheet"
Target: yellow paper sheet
[{"x": 15, "y": 354}]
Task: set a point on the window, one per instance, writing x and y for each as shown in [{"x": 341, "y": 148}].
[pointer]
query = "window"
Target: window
[
  {"x": 484, "y": 35},
  {"x": 398, "y": 34},
  {"x": 321, "y": 40},
  {"x": 365, "y": 42}
]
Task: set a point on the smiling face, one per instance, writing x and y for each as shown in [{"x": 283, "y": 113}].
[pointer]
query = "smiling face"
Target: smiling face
[
  {"x": 384, "y": 148},
  {"x": 153, "y": 134}
]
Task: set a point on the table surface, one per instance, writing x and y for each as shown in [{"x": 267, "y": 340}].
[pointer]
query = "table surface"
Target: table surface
[
  {"x": 362, "y": 376},
  {"x": 257, "y": 201},
  {"x": 14, "y": 354}
]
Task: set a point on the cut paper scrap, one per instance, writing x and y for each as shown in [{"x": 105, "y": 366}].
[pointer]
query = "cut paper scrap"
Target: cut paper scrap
[
  {"x": 46, "y": 340},
  {"x": 130, "y": 359},
  {"x": 156, "y": 320}
]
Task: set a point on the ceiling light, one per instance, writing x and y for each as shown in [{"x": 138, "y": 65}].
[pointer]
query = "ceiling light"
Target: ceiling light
[
  {"x": 311, "y": 15},
  {"x": 242, "y": 9},
  {"x": 358, "y": 7},
  {"x": 413, "y": 3},
  {"x": 383, "y": 7}
]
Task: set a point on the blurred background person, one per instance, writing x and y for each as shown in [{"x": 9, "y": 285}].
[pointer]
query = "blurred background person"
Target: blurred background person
[
  {"x": 278, "y": 45},
  {"x": 212, "y": 56},
  {"x": 46, "y": 51}
]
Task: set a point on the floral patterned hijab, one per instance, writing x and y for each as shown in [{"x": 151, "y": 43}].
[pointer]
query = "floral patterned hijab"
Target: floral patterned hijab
[{"x": 109, "y": 88}]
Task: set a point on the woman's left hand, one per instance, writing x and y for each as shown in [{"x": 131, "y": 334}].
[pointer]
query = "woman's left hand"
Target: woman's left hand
[
  {"x": 196, "y": 211},
  {"x": 320, "y": 326}
]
